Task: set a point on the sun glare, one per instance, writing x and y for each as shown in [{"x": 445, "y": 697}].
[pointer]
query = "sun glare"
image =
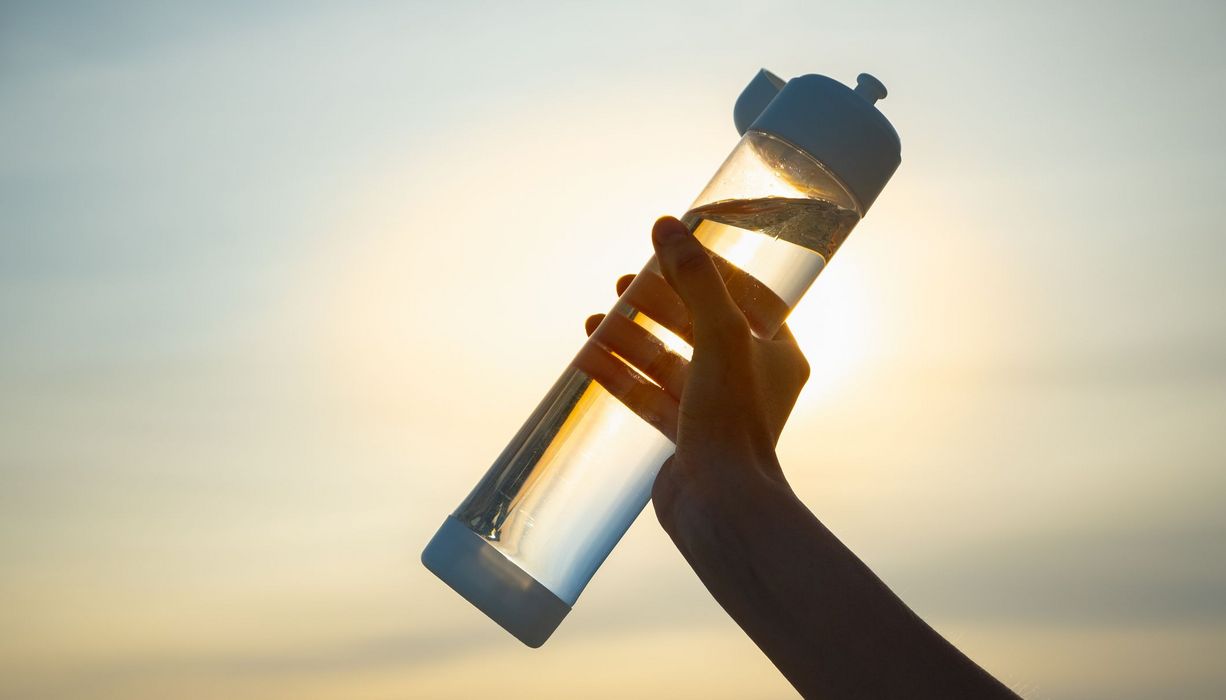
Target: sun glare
[
  {"x": 834, "y": 326},
  {"x": 670, "y": 339}
]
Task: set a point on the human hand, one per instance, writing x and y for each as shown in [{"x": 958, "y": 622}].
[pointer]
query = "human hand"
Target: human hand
[
  {"x": 724, "y": 408},
  {"x": 819, "y": 613}
]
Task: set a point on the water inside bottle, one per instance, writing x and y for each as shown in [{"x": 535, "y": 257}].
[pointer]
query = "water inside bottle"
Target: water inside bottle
[
  {"x": 811, "y": 223},
  {"x": 574, "y": 478},
  {"x": 781, "y": 242}
]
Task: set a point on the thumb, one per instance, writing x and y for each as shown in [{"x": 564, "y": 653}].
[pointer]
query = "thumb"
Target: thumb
[{"x": 690, "y": 271}]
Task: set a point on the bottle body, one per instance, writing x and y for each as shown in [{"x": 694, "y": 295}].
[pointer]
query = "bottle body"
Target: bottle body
[{"x": 579, "y": 472}]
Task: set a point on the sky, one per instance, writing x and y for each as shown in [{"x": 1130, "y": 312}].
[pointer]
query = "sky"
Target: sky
[{"x": 277, "y": 285}]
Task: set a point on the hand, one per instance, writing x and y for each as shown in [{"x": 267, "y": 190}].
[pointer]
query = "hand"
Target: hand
[
  {"x": 726, "y": 407},
  {"x": 819, "y": 613}
]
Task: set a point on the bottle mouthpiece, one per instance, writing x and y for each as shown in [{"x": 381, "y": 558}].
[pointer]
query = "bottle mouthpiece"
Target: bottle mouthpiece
[{"x": 870, "y": 88}]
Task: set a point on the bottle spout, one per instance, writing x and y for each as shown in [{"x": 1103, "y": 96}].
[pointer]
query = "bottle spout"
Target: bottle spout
[
  {"x": 870, "y": 88},
  {"x": 754, "y": 98}
]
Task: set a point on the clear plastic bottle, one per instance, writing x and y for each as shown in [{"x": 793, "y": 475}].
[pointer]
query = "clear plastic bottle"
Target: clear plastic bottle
[{"x": 526, "y": 541}]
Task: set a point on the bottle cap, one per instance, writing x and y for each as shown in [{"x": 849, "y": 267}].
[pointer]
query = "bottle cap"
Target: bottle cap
[{"x": 835, "y": 124}]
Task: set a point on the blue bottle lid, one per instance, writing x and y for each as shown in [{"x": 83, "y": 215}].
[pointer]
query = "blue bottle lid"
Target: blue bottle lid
[{"x": 835, "y": 124}]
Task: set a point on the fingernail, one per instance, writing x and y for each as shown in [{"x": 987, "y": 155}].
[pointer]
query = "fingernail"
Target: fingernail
[{"x": 669, "y": 230}]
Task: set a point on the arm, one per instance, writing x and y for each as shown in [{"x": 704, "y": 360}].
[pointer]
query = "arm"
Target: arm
[{"x": 821, "y": 616}]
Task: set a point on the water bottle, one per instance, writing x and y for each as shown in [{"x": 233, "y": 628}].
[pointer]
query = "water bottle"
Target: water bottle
[{"x": 813, "y": 156}]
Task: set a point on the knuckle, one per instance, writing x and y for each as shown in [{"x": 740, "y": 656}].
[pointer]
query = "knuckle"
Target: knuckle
[
  {"x": 657, "y": 366},
  {"x": 664, "y": 496},
  {"x": 638, "y": 394},
  {"x": 692, "y": 261},
  {"x": 803, "y": 369},
  {"x": 731, "y": 327},
  {"x": 665, "y": 366}
]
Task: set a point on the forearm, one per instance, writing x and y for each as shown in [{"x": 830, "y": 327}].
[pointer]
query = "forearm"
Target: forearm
[{"x": 822, "y": 617}]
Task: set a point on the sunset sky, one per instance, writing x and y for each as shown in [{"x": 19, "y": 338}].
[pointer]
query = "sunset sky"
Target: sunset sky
[{"x": 277, "y": 285}]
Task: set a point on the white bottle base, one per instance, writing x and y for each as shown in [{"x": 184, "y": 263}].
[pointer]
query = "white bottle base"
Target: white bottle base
[{"x": 496, "y": 586}]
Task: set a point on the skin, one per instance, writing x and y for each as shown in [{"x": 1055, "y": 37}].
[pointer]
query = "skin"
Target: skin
[{"x": 818, "y": 612}]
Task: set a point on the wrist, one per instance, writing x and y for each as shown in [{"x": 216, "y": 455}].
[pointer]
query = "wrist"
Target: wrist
[{"x": 734, "y": 493}]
